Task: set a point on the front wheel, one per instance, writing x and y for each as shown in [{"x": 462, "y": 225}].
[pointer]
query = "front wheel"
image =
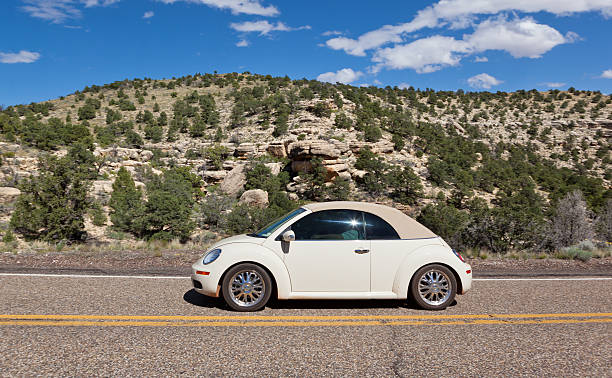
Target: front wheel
[
  {"x": 433, "y": 287},
  {"x": 246, "y": 287}
]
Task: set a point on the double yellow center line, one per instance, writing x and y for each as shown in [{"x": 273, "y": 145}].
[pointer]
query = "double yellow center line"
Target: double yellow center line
[{"x": 298, "y": 320}]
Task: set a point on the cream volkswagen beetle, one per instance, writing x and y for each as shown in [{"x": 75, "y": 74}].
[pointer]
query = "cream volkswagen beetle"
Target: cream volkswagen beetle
[{"x": 334, "y": 250}]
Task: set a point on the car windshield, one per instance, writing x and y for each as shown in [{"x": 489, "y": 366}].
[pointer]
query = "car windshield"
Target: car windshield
[{"x": 275, "y": 224}]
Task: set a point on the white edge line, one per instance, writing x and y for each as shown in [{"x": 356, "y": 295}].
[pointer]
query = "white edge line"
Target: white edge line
[
  {"x": 546, "y": 279},
  {"x": 187, "y": 277},
  {"x": 91, "y": 276}
]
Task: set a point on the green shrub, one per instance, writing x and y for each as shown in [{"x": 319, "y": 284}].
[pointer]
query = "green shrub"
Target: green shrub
[
  {"x": 133, "y": 139},
  {"x": 52, "y": 205},
  {"x": 98, "y": 216},
  {"x": 8, "y": 237},
  {"x": 342, "y": 121},
  {"x": 444, "y": 220},
  {"x": 372, "y": 133},
  {"x": 170, "y": 200},
  {"x": 87, "y": 112}
]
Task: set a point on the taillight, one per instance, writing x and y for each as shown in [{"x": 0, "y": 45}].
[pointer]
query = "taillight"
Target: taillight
[{"x": 459, "y": 255}]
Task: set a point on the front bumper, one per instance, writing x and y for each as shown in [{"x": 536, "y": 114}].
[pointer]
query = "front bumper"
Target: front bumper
[{"x": 207, "y": 284}]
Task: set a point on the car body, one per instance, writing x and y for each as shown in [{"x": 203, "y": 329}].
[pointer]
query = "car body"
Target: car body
[{"x": 334, "y": 250}]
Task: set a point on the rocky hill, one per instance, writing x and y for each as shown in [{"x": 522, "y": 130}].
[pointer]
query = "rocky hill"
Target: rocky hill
[{"x": 402, "y": 146}]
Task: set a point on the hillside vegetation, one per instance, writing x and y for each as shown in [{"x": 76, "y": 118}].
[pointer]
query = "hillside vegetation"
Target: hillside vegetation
[{"x": 202, "y": 155}]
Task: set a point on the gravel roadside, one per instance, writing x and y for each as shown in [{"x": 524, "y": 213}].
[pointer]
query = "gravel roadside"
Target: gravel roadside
[{"x": 172, "y": 262}]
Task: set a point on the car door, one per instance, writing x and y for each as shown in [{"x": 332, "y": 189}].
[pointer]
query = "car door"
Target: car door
[
  {"x": 387, "y": 251},
  {"x": 329, "y": 253}
]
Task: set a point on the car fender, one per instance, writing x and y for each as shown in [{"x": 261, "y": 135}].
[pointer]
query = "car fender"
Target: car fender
[
  {"x": 414, "y": 260},
  {"x": 237, "y": 253}
]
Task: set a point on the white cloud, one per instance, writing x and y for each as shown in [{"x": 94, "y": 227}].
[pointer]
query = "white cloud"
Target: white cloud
[
  {"x": 403, "y": 85},
  {"x": 554, "y": 84},
  {"x": 367, "y": 41},
  {"x": 242, "y": 43},
  {"x": 423, "y": 55},
  {"x": 332, "y": 32},
  {"x": 58, "y": 11},
  {"x": 607, "y": 74},
  {"x": 263, "y": 27},
  {"x": 20, "y": 57},
  {"x": 253, "y": 7},
  {"x": 459, "y": 14},
  {"x": 520, "y": 37},
  {"x": 148, "y": 14},
  {"x": 95, "y": 3},
  {"x": 483, "y": 81},
  {"x": 345, "y": 75},
  {"x": 481, "y": 59}
]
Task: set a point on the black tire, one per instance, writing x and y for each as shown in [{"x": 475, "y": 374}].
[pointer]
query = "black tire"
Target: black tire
[
  {"x": 433, "y": 295},
  {"x": 246, "y": 298}
]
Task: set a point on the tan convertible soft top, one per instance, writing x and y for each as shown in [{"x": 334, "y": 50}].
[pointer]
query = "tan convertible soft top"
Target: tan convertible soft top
[{"x": 406, "y": 227}]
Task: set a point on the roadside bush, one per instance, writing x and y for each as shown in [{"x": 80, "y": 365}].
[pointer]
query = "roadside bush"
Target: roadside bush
[
  {"x": 574, "y": 253},
  {"x": 571, "y": 222},
  {"x": 167, "y": 215},
  {"x": 52, "y": 205},
  {"x": 214, "y": 209}
]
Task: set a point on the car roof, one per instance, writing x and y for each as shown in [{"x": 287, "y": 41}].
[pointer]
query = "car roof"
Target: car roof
[{"x": 406, "y": 227}]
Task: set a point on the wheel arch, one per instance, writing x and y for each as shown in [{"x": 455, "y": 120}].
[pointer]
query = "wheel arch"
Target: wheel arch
[
  {"x": 420, "y": 257},
  {"x": 262, "y": 266}
]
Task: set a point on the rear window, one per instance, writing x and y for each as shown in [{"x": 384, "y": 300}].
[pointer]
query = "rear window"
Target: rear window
[{"x": 378, "y": 229}]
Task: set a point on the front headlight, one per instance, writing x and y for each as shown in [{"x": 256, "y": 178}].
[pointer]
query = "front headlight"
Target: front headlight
[{"x": 211, "y": 256}]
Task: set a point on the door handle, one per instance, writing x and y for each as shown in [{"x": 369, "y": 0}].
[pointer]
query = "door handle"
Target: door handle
[{"x": 362, "y": 251}]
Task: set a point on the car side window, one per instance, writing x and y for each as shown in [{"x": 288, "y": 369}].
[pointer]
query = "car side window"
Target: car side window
[
  {"x": 378, "y": 229},
  {"x": 330, "y": 225}
]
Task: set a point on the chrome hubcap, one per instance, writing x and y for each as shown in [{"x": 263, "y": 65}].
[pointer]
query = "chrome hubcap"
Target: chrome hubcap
[
  {"x": 434, "y": 287},
  {"x": 247, "y": 288}
]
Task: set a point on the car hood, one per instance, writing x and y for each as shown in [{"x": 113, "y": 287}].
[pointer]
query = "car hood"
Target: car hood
[{"x": 238, "y": 239}]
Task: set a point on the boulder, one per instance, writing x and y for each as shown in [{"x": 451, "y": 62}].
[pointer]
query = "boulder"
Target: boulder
[
  {"x": 325, "y": 149},
  {"x": 214, "y": 175},
  {"x": 344, "y": 175},
  {"x": 383, "y": 146},
  {"x": 359, "y": 174},
  {"x": 146, "y": 155},
  {"x": 274, "y": 168},
  {"x": 234, "y": 181},
  {"x": 102, "y": 186},
  {"x": 245, "y": 149},
  {"x": 8, "y": 194},
  {"x": 255, "y": 197},
  {"x": 299, "y": 150}
]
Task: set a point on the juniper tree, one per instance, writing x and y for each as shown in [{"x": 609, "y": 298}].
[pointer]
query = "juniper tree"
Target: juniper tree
[{"x": 126, "y": 203}]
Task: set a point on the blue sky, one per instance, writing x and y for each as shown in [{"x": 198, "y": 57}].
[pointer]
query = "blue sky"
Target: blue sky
[{"x": 54, "y": 47}]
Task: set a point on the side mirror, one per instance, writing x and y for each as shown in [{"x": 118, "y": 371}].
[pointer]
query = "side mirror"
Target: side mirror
[{"x": 288, "y": 236}]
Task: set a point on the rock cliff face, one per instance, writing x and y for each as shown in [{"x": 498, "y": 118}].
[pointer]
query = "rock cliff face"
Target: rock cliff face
[{"x": 327, "y": 123}]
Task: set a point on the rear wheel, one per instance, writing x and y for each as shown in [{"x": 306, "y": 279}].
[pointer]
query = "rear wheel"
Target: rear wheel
[
  {"x": 433, "y": 287},
  {"x": 246, "y": 287}
]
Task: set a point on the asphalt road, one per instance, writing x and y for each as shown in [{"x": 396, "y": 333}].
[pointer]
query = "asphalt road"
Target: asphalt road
[{"x": 157, "y": 326}]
